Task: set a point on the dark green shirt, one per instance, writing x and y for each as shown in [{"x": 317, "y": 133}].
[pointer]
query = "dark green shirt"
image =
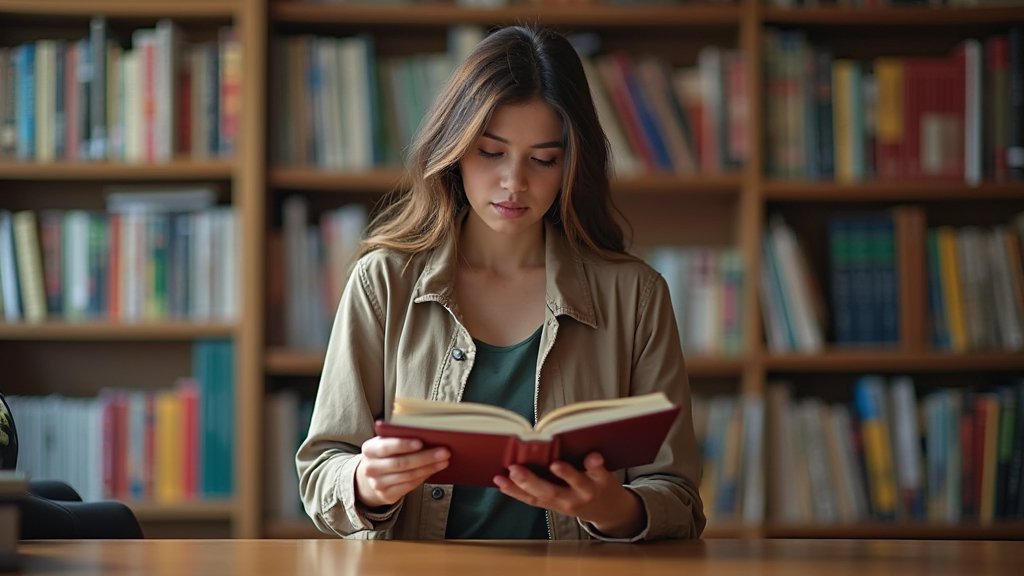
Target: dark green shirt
[{"x": 501, "y": 376}]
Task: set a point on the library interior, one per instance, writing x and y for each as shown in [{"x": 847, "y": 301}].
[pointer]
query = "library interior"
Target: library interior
[{"x": 832, "y": 191}]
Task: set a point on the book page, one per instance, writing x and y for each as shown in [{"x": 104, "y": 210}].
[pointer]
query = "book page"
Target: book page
[
  {"x": 583, "y": 414},
  {"x": 467, "y": 416}
]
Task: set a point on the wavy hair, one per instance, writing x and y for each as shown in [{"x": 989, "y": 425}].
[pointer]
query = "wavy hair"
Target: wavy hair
[{"x": 510, "y": 66}]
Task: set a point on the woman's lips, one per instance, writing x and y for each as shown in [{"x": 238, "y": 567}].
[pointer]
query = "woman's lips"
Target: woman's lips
[{"x": 509, "y": 209}]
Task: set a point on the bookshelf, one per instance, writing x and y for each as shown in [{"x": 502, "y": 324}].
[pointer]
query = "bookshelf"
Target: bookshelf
[
  {"x": 78, "y": 359},
  {"x": 725, "y": 208}
]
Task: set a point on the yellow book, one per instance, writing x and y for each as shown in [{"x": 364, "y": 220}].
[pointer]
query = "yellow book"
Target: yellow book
[
  {"x": 842, "y": 80},
  {"x": 889, "y": 75},
  {"x": 870, "y": 396},
  {"x": 950, "y": 278},
  {"x": 889, "y": 117},
  {"x": 168, "y": 459}
]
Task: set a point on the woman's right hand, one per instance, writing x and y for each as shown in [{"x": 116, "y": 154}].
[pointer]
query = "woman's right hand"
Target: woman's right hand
[{"x": 392, "y": 467}]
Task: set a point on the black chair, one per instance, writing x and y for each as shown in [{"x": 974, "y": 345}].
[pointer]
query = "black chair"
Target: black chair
[{"x": 53, "y": 510}]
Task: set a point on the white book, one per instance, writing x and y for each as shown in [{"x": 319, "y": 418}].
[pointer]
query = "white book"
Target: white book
[
  {"x": 907, "y": 460},
  {"x": 795, "y": 276},
  {"x": 230, "y": 264},
  {"x": 45, "y": 70},
  {"x": 30, "y": 265},
  {"x": 76, "y": 264},
  {"x": 329, "y": 128},
  {"x": 132, "y": 108},
  {"x": 168, "y": 49},
  {"x": 357, "y": 121},
  {"x": 753, "y": 475},
  {"x": 669, "y": 261},
  {"x": 9, "y": 269},
  {"x": 294, "y": 210},
  {"x": 811, "y": 414},
  {"x": 703, "y": 329},
  {"x": 201, "y": 291}
]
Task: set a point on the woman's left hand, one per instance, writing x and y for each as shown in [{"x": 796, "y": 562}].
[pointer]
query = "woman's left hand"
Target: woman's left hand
[{"x": 593, "y": 495}]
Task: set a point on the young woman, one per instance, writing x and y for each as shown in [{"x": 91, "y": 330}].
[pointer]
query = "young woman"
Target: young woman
[{"x": 500, "y": 277}]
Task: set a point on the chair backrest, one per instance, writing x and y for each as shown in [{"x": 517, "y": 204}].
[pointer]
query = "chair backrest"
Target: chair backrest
[
  {"x": 53, "y": 510},
  {"x": 8, "y": 437}
]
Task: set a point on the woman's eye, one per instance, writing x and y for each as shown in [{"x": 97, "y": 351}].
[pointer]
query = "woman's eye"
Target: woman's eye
[
  {"x": 546, "y": 163},
  {"x": 487, "y": 154}
]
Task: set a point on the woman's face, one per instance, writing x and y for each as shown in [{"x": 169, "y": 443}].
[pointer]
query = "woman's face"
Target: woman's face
[{"x": 512, "y": 174}]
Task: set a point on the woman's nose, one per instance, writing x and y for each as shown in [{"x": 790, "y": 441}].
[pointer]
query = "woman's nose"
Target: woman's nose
[{"x": 514, "y": 178}]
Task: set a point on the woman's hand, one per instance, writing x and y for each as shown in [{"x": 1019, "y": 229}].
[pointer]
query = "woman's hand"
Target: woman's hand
[
  {"x": 593, "y": 495},
  {"x": 392, "y": 467}
]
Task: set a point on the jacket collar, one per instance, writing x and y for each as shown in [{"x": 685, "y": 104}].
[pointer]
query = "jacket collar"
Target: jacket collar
[{"x": 567, "y": 290}]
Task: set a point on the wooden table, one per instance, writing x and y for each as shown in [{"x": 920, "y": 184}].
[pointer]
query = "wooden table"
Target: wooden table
[{"x": 523, "y": 558}]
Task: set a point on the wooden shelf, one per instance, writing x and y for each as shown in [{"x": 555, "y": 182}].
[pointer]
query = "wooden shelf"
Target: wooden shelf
[
  {"x": 123, "y": 8},
  {"x": 382, "y": 180},
  {"x": 891, "y": 16},
  {"x": 894, "y": 361},
  {"x": 115, "y": 331},
  {"x": 176, "y": 170},
  {"x": 200, "y": 510},
  {"x": 371, "y": 181},
  {"x": 671, "y": 184},
  {"x": 999, "y": 531},
  {"x": 890, "y": 191},
  {"x": 285, "y": 362},
  {"x": 689, "y": 16}
]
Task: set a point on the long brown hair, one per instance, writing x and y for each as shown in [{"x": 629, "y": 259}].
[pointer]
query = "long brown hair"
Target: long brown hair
[{"x": 510, "y": 66}]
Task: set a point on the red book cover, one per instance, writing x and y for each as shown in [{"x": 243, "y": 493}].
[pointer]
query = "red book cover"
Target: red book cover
[
  {"x": 478, "y": 456},
  {"x": 188, "y": 391},
  {"x": 120, "y": 405},
  {"x": 997, "y": 53}
]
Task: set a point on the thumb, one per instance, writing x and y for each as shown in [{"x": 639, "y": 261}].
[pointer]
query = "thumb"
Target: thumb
[{"x": 594, "y": 464}]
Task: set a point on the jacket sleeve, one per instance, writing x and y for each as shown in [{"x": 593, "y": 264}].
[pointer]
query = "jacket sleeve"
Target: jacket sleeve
[
  {"x": 348, "y": 400},
  {"x": 668, "y": 486}
]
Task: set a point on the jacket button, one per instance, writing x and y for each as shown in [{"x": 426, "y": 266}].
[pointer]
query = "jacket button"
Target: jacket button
[
  {"x": 458, "y": 355},
  {"x": 437, "y": 493}
]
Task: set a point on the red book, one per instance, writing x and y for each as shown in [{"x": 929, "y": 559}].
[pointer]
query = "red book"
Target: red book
[{"x": 485, "y": 440}]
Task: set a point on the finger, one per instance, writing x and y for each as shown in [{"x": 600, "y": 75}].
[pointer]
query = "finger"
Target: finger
[
  {"x": 417, "y": 475},
  {"x": 579, "y": 482},
  {"x": 593, "y": 462},
  {"x": 378, "y": 447},
  {"x": 534, "y": 485},
  {"x": 396, "y": 491},
  {"x": 512, "y": 490},
  {"x": 407, "y": 462}
]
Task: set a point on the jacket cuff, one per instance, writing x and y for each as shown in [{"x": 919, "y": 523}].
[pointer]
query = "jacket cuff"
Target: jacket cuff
[
  {"x": 360, "y": 516},
  {"x": 594, "y": 532}
]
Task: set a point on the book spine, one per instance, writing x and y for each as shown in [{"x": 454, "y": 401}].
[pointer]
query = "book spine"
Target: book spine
[{"x": 534, "y": 454}]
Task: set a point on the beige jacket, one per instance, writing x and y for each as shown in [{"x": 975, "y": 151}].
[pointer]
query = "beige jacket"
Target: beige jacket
[{"x": 609, "y": 331}]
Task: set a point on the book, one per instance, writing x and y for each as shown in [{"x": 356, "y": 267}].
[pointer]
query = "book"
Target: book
[{"x": 485, "y": 440}]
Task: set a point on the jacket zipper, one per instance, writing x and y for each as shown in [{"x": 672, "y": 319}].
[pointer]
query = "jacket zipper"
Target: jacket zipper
[{"x": 536, "y": 401}]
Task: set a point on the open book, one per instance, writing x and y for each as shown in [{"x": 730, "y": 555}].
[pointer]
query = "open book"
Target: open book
[{"x": 485, "y": 440}]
